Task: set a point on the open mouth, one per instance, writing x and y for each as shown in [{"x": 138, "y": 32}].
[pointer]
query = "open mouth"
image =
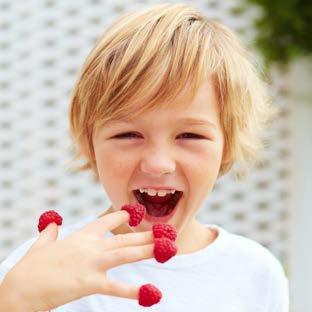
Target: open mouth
[{"x": 158, "y": 206}]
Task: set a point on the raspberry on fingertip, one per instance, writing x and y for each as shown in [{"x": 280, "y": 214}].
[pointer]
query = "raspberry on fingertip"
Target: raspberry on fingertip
[
  {"x": 164, "y": 249},
  {"x": 48, "y": 217},
  {"x": 164, "y": 230},
  {"x": 149, "y": 295},
  {"x": 136, "y": 212}
]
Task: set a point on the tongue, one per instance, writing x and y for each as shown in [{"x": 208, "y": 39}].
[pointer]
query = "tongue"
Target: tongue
[
  {"x": 158, "y": 206},
  {"x": 158, "y": 210}
]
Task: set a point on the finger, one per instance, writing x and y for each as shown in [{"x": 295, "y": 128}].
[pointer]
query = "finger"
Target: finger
[
  {"x": 49, "y": 234},
  {"x": 127, "y": 240},
  {"x": 119, "y": 289},
  {"x": 106, "y": 223},
  {"x": 125, "y": 255}
]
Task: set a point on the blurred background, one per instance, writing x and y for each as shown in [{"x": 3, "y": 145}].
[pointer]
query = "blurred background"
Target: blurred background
[{"x": 43, "y": 44}]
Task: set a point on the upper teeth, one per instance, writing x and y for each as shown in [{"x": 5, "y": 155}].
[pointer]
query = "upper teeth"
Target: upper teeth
[{"x": 153, "y": 192}]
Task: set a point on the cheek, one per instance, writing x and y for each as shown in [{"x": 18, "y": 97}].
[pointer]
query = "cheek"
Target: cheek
[
  {"x": 203, "y": 167},
  {"x": 204, "y": 158},
  {"x": 114, "y": 174},
  {"x": 112, "y": 167}
]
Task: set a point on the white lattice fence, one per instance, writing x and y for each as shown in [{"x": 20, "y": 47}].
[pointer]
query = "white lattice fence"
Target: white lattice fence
[{"x": 43, "y": 44}]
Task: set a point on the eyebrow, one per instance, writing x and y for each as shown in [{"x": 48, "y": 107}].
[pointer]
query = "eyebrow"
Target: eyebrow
[
  {"x": 186, "y": 120},
  {"x": 200, "y": 122}
]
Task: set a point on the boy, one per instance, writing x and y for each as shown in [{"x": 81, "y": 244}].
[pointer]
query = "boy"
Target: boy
[{"x": 166, "y": 103}]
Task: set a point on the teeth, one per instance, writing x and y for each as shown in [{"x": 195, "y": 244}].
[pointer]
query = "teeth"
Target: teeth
[
  {"x": 151, "y": 192},
  {"x": 160, "y": 193}
]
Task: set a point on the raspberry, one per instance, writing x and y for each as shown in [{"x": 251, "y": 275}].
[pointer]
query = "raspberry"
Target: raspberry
[
  {"x": 149, "y": 295},
  {"x": 164, "y": 249},
  {"x": 164, "y": 230},
  {"x": 48, "y": 217},
  {"x": 136, "y": 212}
]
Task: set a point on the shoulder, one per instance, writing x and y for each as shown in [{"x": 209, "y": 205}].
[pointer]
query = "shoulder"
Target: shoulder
[
  {"x": 21, "y": 250},
  {"x": 248, "y": 250},
  {"x": 264, "y": 268}
]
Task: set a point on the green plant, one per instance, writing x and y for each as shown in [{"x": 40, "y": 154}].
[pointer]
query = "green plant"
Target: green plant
[{"x": 282, "y": 30}]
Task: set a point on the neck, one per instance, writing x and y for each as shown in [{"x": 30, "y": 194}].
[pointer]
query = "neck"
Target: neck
[{"x": 195, "y": 237}]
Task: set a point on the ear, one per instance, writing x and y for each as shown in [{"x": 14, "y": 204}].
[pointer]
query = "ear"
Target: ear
[
  {"x": 225, "y": 159},
  {"x": 90, "y": 156},
  {"x": 84, "y": 148},
  {"x": 225, "y": 156}
]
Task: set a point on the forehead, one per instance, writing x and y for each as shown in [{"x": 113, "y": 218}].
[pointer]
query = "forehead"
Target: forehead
[
  {"x": 204, "y": 101},
  {"x": 198, "y": 110}
]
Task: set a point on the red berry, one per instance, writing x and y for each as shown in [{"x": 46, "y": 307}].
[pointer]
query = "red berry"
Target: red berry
[
  {"x": 164, "y": 230},
  {"x": 48, "y": 217},
  {"x": 136, "y": 212},
  {"x": 149, "y": 295},
  {"x": 164, "y": 249}
]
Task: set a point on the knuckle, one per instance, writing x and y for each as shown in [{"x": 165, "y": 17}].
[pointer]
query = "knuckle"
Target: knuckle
[
  {"x": 108, "y": 288},
  {"x": 119, "y": 239},
  {"x": 103, "y": 288},
  {"x": 148, "y": 251},
  {"x": 120, "y": 255},
  {"x": 86, "y": 283}
]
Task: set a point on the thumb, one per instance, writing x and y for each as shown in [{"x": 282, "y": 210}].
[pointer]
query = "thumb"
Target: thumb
[{"x": 49, "y": 234}]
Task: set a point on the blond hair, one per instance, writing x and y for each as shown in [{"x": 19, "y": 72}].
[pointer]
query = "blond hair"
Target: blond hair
[{"x": 149, "y": 56}]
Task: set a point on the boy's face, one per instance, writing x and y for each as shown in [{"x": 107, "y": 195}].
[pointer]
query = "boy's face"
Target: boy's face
[{"x": 163, "y": 148}]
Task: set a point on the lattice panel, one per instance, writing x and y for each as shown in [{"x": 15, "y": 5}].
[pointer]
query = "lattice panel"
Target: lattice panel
[{"x": 43, "y": 44}]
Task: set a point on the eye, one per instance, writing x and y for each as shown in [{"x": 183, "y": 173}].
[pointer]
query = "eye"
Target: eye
[
  {"x": 129, "y": 135},
  {"x": 126, "y": 135},
  {"x": 188, "y": 135}
]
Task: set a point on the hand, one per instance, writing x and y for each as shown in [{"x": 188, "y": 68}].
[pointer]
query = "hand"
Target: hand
[{"x": 54, "y": 272}]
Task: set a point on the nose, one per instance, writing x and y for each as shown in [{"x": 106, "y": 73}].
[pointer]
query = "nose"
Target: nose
[{"x": 157, "y": 162}]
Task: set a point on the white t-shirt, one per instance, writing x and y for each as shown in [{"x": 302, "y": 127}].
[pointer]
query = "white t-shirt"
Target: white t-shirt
[{"x": 233, "y": 274}]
